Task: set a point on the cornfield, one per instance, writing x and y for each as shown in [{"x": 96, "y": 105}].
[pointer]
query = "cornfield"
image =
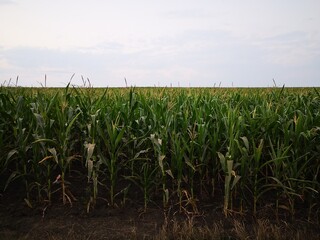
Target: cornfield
[{"x": 242, "y": 148}]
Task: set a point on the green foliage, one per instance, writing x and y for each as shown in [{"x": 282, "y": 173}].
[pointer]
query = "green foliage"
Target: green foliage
[{"x": 183, "y": 146}]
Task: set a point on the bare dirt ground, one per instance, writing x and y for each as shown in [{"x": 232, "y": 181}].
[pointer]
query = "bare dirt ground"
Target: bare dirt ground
[
  {"x": 59, "y": 222},
  {"x": 18, "y": 221}
]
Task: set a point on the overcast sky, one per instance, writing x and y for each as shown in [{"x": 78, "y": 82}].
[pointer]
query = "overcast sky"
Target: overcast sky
[{"x": 201, "y": 43}]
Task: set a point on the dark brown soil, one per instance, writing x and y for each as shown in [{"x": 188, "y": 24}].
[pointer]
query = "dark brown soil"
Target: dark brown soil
[
  {"x": 206, "y": 221},
  {"x": 18, "y": 221}
]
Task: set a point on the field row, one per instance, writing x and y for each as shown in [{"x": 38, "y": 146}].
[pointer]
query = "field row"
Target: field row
[{"x": 246, "y": 148}]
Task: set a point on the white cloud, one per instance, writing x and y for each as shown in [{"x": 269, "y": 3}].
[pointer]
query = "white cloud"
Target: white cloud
[
  {"x": 5, "y": 2},
  {"x": 202, "y": 43},
  {"x": 4, "y": 64},
  {"x": 291, "y": 48}
]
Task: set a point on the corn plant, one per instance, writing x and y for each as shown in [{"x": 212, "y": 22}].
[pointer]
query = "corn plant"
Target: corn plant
[
  {"x": 92, "y": 162},
  {"x": 60, "y": 151},
  {"x": 178, "y": 146},
  {"x": 22, "y": 147},
  {"x": 145, "y": 178},
  {"x": 112, "y": 141},
  {"x": 257, "y": 168},
  {"x": 160, "y": 156},
  {"x": 6, "y": 132},
  {"x": 231, "y": 179},
  {"x": 41, "y": 109},
  {"x": 178, "y": 163}
]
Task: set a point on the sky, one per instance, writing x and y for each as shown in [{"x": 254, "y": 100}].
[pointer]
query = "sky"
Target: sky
[{"x": 178, "y": 43}]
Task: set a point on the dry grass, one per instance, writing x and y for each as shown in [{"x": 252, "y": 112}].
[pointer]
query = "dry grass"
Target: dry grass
[
  {"x": 261, "y": 230},
  {"x": 89, "y": 229}
]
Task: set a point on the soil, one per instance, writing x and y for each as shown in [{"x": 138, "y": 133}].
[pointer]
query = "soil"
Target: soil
[{"x": 57, "y": 221}]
